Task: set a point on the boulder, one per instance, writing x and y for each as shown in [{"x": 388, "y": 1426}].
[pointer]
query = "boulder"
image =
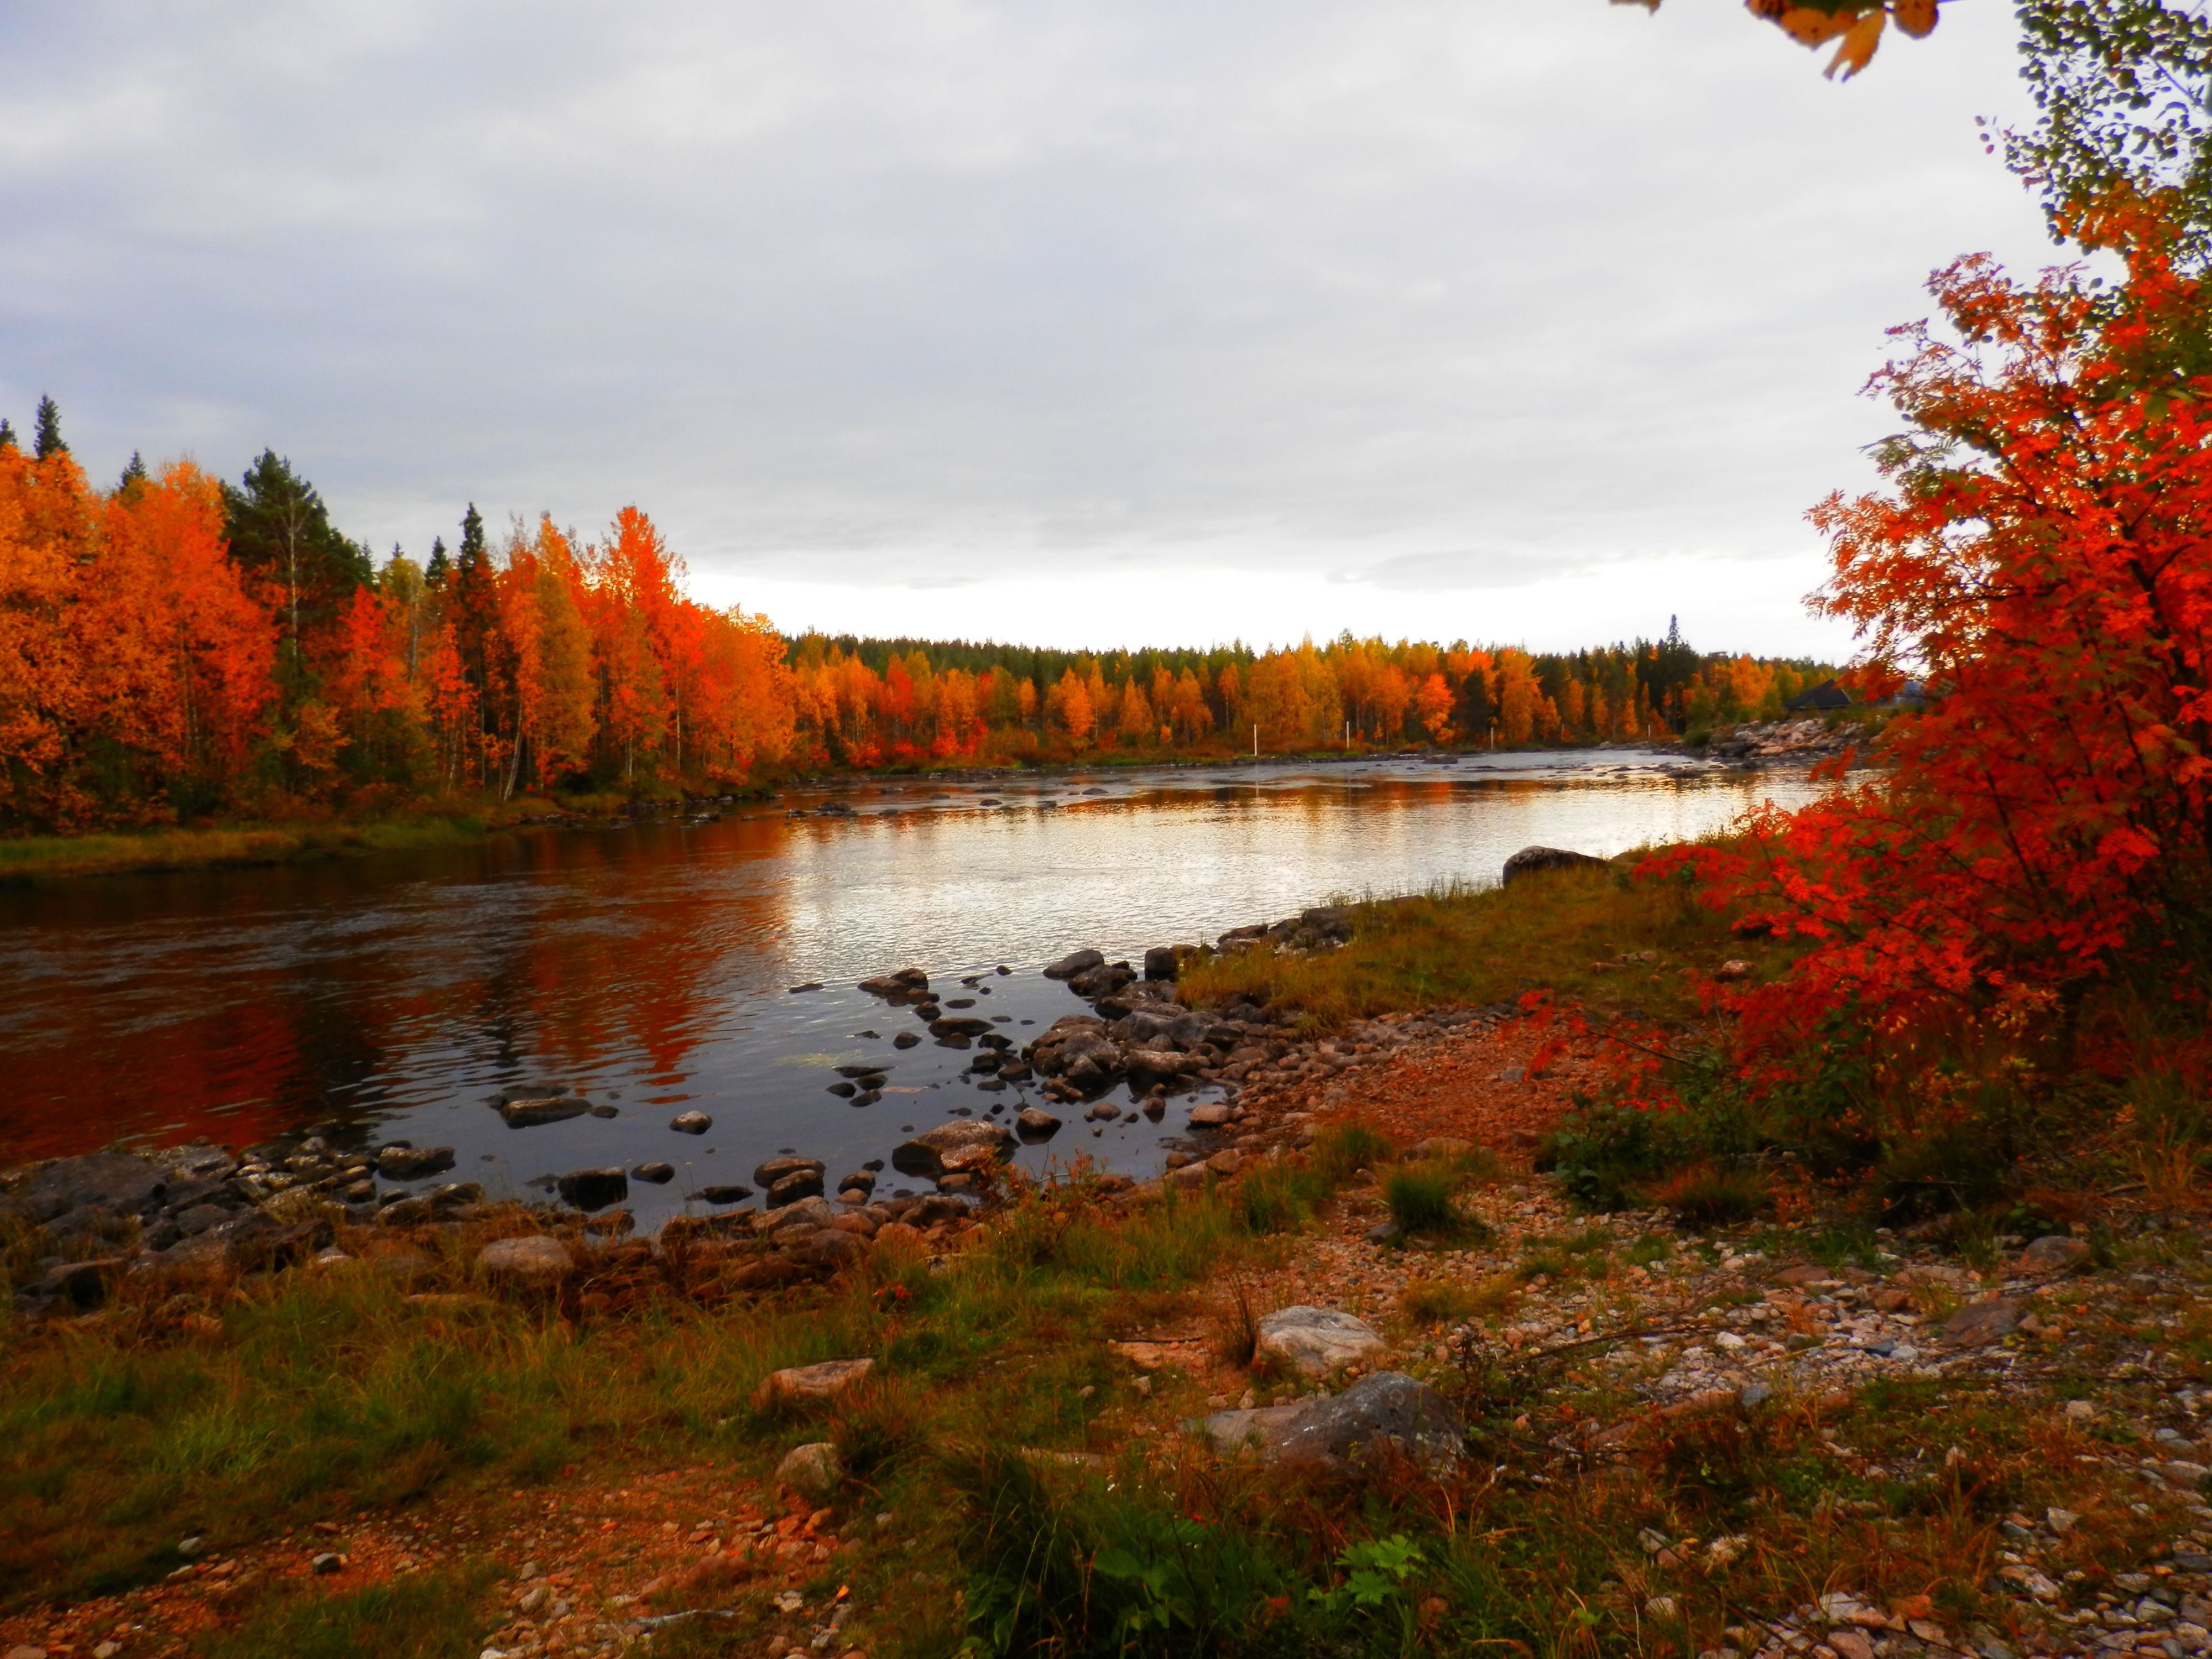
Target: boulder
[
  {"x": 813, "y": 1211},
  {"x": 1210, "y": 1116},
  {"x": 898, "y": 1237},
  {"x": 1035, "y": 1125},
  {"x": 957, "y": 1026},
  {"x": 397, "y": 1162},
  {"x": 1075, "y": 962},
  {"x": 928, "y": 1153},
  {"x": 906, "y": 1040},
  {"x": 1166, "y": 961},
  {"x": 2054, "y": 1253},
  {"x": 831, "y": 1248},
  {"x": 813, "y": 1471},
  {"x": 1531, "y": 861},
  {"x": 1980, "y": 1323},
  {"x": 768, "y": 1173},
  {"x": 802, "y": 1384},
  {"x": 799, "y": 1183},
  {"x": 1162, "y": 1064},
  {"x": 1387, "y": 1410},
  {"x": 594, "y": 1189},
  {"x": 723, "y": 1194},
  {"x": 906, "y": 982},
  {"x": 1318, "y": 1340},
  {"x": 120, "y": 1182},
  {"x": 554, "y": 1109},
  {"x": 535, "y": 1262},
  {"x": 1102, "y": 979},
  {"x": 658, "y": 1172},
  {"x": 691, "y": 1123}
]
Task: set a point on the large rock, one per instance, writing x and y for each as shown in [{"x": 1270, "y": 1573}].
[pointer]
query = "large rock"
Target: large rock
[
  {"x": 552, "y": 1109},
  {"x": 906, "y": 984},
  {"x": 768, "y": 1173},
  {"x": 934, "y": 1152},
  {"x": 1531, "y": 861},
  {"x": 1076, "y": 962},
  {"x": 801, "y": 1384},
  {"x": 1166, "y": 961},
  {"x": 1387, "y": 1413},
  {"x": 814, "y": 1472},
  {"x": 594, "y": 1189},
  {"x": 120, "y": 1182},
  {"x": 1318, "y": 1340},
  {"x": 691, "y": 1123},
  {"x": 1033, "y": 1124},
  {"x": 958, "y": 1025},
  {"x": 535, "y": 1262},
  {"x": 799, "y": 1183},
  {"x": 397, "y": 1162},
  {"x": 1387, "y": 1409}
]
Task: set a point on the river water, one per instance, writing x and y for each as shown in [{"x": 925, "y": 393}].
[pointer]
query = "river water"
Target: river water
[{"x": 650, "y": 966}]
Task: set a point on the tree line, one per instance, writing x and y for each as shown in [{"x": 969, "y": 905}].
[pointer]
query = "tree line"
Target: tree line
[{"x": 179, "y": 647}]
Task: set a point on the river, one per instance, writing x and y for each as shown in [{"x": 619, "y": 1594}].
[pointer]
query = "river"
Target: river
[{"x": 650, "y": 966}]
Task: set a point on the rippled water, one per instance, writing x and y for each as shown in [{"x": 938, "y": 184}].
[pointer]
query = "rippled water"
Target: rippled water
[{"x": 649, "y": 966}]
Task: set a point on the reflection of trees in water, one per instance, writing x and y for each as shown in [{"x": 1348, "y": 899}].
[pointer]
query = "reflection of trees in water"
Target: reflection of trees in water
[{"x": 231, "y": 1003}]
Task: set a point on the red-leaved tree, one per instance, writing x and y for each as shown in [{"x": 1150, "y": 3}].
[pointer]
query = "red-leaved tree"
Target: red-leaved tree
[{"x": 2043, "y": 561}]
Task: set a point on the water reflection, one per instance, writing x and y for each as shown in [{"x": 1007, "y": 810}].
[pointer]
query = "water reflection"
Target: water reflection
[{"x": 650, "y": 966}]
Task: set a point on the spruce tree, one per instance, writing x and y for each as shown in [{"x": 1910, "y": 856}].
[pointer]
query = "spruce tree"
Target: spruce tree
[
  {"x": 49, "y": 440},
  {"x": 133, "y": 479},
  {"x": 280, "y": 530},
  {"x": 439, "y": 566},
  {"x": 6, "y": 434}
]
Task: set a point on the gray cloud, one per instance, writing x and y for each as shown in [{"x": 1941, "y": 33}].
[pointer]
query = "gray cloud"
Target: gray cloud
[{"x": 857, "y": 293}]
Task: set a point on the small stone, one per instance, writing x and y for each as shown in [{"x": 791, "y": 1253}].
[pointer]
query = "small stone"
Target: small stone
[
  {"x": 805, "y": 1382},
  {"x": 2080, "y": 1410},
  {"x": 691, "y": 1123},
  {"x": 535, "y": 1261},
  {"x": 327, "y": 1563},
  {"x": 106, "y": 1650},
  {"x": 1980, "y": 1323},
  {"x": 534, "y": 1598},
  {"x": 2054, "y": 1253},
  {"x": 1851, "y": 1643},
  {"x": 814, "y": 1471},
  {"x": 1728, "y": 1339},
  {"x": 26, "y": 1651},
  {"x": 192, "y": 1548},
  {"x": 2060, "y": 1521},
  {"x": 1663, "y": 1606}
]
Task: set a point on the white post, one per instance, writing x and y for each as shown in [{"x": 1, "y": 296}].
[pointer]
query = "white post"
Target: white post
[{"x": 1256, "y": 742}]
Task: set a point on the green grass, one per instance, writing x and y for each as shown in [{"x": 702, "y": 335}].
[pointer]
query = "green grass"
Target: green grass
[
  {"x": 1578, "y": 933},
  {"x": 430, "y": 1615},
  {"x": 46, "y": 857}
]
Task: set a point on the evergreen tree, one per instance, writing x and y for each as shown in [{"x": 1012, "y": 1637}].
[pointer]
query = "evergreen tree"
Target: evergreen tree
[
  {"x": 6, "y": 434},
  {"x": 281, "y": 532},
  {"x": 133, "y": 479},
  {"x": 439, "y": 566},
  {"x": 49, "y": 439}
]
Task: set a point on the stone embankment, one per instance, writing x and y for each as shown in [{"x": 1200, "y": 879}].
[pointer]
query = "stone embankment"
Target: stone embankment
[{"x": 1797, "y": 739}]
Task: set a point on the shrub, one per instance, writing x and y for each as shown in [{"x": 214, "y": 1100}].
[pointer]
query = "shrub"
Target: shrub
[
  {"x": 1421, "y": 1199},
  {"x": 1342, "y": 1150},
  {"x": 1715, "y": 1195}
]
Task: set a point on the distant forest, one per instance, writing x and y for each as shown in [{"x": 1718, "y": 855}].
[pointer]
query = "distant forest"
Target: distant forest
[{"x": 178, "y": 646}]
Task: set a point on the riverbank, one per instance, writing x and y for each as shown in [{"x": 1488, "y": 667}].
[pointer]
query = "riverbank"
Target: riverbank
[
  {"x": 26, "y": 860},
  {"x": 1764, "y": 1438},
  {"x": 1517, "y": 1419}
]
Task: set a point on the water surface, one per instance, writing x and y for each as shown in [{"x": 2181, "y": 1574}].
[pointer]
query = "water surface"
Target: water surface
[{"x": 650, "y": 966}]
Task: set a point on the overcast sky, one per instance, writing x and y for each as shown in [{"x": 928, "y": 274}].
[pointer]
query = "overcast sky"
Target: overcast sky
[{"x": 1083, "y": 322}]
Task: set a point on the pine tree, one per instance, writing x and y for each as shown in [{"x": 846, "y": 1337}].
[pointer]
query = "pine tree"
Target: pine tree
[
  {"x": 133, "y": 479},
  {"x": 439, "y": 566},
  {"x": 49, "y": 440},
  {"x": 281, "y": 532},
  {"x": 6, "y": 434}
]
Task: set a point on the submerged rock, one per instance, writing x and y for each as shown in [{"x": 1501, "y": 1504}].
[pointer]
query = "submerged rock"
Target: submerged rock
[
  {"x": 554, "y": 1108},
  {"x": 594, "y": 1189}
]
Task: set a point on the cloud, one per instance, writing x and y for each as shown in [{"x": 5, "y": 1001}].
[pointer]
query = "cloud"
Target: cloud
[{"x": 845, "y": 293}]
